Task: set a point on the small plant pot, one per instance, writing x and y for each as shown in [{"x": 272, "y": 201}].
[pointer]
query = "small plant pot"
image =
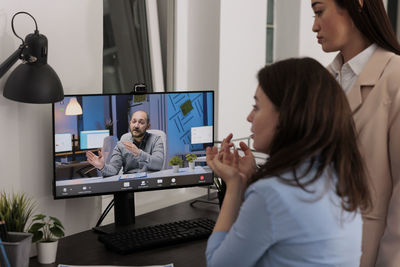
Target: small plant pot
[
  {"x": 47, "y": 252},
  {"x": 18, "y": 248},
  {"x": 191, "y": 166},
  {"x": 175, "y": 168}
]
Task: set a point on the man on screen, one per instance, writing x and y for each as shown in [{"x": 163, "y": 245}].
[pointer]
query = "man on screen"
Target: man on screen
[{"x": 137, "y": 151}]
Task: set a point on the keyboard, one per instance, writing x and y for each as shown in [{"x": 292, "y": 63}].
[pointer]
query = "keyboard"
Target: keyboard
[{"x": 126, "y": 242}]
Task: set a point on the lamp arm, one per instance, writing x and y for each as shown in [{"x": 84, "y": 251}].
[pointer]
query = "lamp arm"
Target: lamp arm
[{"x": 10, "y": 61}]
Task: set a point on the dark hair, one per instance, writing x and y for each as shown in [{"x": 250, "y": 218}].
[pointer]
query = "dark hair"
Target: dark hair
[
  {"x": 147, "y": 115},
  {"x": 372, "y": 21},
  {"x": 315, "y": 124}
]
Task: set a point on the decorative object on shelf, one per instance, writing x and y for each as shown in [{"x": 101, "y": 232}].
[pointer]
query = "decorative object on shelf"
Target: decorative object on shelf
[
  {"x": 191, "y": 159},
  {"x": 175, "y": 161},
  {"x": 46, "y": 230},
  {"x": 33, "y": 81}
]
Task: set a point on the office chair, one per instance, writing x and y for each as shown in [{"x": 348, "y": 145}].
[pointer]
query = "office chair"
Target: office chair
[
  {"x": 109, "y": 143},
  {"x": 164, "y": 140}
]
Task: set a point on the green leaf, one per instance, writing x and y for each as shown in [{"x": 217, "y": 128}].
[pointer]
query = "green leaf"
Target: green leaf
[
  {"x": 37, "y": 236},
  {"x": 38, "y": 217},
  {"x": 59, "y": 225},
  {"x": 56, "y": 231},
  {"x": 57, "y": 222},
  {"x": 35, "y": 227}
]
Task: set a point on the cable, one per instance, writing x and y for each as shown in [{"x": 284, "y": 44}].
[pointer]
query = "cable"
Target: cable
[
  {"x": 12, "y": 24},
  {"x": 105, "y": 212}
]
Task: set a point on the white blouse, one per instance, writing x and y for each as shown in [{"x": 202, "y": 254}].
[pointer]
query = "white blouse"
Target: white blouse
[{"x": 346, "y": 74}]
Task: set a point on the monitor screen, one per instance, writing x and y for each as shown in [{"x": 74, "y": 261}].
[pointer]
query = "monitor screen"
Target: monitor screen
[
  {"x": 92, "y": 139},
  {"x": 159, "y": 125},
  {"x": 62, "y": 142}
]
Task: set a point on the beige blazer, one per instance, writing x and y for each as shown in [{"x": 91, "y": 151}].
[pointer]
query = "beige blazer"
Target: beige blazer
[{"x": 375, "y": 101}]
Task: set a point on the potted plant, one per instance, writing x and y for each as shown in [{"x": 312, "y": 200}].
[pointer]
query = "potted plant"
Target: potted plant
[
  {"x": 191, "y": 158},
  {"x": 15, "y": 210},
  {"x": 46, "y": 230},
  {"x": 175, "y": 161}
]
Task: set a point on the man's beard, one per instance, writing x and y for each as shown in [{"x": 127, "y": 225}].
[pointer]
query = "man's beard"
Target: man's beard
[{"x": 137, "y": 133}]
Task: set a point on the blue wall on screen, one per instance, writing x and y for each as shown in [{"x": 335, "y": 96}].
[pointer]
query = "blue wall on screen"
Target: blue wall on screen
[
  {"x": 179, "y": 124},
  {"x": 93, "y": 108},
  {"x": 64, "y": 123}
]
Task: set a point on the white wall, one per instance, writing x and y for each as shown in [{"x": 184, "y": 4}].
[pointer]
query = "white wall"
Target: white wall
[
  {"x": 287, "y": 29},
  {"x": 241, "y": 54},
  {"x": 74, "y": 30},
  {"x": 196, "y": 44}
]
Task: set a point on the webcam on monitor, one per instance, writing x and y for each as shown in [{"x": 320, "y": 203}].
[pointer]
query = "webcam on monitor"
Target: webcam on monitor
[{"x": 139, "y": 88}]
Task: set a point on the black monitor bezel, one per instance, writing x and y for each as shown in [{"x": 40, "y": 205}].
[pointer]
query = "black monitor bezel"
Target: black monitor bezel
[{"x": 133, "y": 190}]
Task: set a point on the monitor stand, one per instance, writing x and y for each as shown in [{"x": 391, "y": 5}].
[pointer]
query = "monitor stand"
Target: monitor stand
[{"x": 124, "y": 213}]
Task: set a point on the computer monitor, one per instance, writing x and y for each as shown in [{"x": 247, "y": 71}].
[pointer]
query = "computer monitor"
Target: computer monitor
[
  {"x": 201, "y": 134},
  {"x": 92, "y": 139},
  {"x": 62, "y": 142},
  {"x": 185, "y": 118}
]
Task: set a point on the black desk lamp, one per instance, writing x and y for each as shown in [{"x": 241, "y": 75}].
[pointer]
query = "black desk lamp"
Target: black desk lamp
[{"x": 33, "y": 81}]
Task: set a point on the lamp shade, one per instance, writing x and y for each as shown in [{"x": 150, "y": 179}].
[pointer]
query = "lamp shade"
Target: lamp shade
[
  {"x": 73, "y": 107},
  {"x": 34, "y": 83}
]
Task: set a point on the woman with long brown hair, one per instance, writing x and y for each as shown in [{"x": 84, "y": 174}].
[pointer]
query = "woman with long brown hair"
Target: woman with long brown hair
[
  {"x": 367, "y": 67},
  {"x": 302, "y": 207}
]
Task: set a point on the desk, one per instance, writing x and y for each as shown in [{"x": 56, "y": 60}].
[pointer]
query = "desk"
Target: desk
[
  {"x": 71, "y": 170},
  {"x": 84, "y": 248},
  {"x": 76, "y": 152}
]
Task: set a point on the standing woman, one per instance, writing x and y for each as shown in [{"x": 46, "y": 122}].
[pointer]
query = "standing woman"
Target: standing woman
[{"x": 368, "y": 68}]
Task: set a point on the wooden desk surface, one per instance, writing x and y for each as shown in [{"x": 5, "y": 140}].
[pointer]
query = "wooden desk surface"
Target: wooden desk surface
[
  {"x": 84, "y": 248},
  {"x": 58, "y": 154},
  {"x": 73, "y": 164}
]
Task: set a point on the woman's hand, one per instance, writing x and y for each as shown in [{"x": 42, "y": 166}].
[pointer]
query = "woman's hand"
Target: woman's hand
[
  {"x": 228, "y": 165},
  {"x": 223, "y": 164},
  {"x": 235, "y": 171},
  {"x": 226, "y": 143},
  {"x": 247, "y": 164}
]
